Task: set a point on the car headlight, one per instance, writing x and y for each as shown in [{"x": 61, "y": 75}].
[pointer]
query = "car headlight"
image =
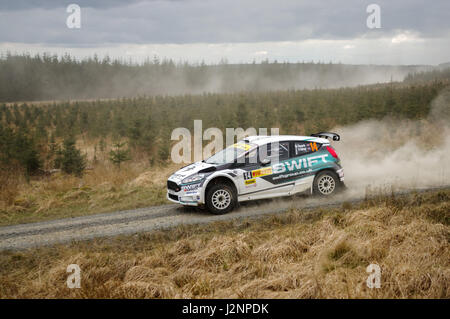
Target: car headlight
[{"x": 193, "y": 178}]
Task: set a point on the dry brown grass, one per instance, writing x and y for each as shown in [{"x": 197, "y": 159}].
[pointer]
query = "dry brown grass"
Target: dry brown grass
[
  {"x": 300, "y": 254},
  {"x": 102, "y": 189},
  {"x": 9, "y": 187}
]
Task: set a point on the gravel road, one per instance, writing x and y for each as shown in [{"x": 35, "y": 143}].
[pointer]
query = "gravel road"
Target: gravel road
[{"x": 147, "y": 219}]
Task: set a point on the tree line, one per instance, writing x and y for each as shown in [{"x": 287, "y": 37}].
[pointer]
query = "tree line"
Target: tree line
[
  {"x": 50, "y": 77},
  {"x": 43, "y": 135},
  {"x": 439, "y": 74}
]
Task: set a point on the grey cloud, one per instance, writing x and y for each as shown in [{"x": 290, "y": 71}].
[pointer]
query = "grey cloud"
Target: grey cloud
[
  {"x": 18, "y": 5},
  {"x": 214, "y": 21}
]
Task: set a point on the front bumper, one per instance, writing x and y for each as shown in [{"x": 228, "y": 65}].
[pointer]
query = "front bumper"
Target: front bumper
[
  {"x": 183, "y": 200},
  {"x": 190, "y": 194}
]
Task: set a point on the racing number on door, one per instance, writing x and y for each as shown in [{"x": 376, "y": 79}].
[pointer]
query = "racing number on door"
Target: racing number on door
[
  {"x": 247, "y": 175},
  {"x": 249, "y": 181}
]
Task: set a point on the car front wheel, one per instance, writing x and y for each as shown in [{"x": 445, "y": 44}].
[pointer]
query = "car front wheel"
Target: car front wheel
[{"x": 220, "y": 199}]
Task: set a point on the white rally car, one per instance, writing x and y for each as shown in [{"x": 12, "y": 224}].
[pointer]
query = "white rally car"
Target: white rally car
[{"x": 259, "y": 167}]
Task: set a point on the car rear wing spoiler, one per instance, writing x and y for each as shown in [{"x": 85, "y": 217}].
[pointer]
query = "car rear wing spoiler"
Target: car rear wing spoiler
[{"x": 333, "y": 136}]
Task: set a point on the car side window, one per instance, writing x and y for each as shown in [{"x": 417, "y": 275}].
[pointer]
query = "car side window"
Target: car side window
[
  {"x": 252, "y": 157},
  {"x": 281, "y": 150},
  {"x": 302, "y": 148},
  {"x": 274, "y": 151}
]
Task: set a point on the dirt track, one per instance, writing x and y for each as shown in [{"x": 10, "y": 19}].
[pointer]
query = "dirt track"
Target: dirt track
[{"x": 147, "y": 219}]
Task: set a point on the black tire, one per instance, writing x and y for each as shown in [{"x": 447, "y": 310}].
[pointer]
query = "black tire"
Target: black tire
[
  {"x": 221, "y": 194},
  {"x": 326, "y": 183}
]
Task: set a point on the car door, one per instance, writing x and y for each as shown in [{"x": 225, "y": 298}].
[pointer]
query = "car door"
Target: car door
[
  {"x": 306, "y": 160},
  {"x": 251, "y": 163},
  {"x": 309, "y": 155},
  {"x": 257, "y": 179}
]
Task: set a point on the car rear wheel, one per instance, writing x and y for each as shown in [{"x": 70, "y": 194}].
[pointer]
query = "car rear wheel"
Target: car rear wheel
[
  {"x": 220, "y": 199},
  {"x": 326, "y": 183}
]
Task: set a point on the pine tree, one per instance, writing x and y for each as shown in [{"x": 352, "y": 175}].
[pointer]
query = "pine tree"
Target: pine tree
[
  {"x": 119, "y": 155},
  {"x": 135, "y": 133},
  {"x": 102, "y": 145},
  {"x": 70, "y": 158}
]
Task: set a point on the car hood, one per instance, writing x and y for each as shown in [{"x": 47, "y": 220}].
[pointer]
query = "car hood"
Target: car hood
[{"x": 191, "y": 169}]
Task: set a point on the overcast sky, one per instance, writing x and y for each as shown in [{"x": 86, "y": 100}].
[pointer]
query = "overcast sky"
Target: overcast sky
[{"x": 412, "y": 32}]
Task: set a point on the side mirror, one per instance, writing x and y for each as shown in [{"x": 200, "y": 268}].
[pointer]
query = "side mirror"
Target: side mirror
[{"x": 265, "y": 161}]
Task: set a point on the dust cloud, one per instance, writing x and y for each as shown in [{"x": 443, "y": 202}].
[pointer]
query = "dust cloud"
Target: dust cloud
[
  {"x": 399, "y": 154},
  {"x": 253, "y": 78},
  {"x": 381, "y": 156}
]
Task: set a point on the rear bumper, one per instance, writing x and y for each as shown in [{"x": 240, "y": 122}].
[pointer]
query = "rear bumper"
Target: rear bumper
[{"x": 340, "y": 173}]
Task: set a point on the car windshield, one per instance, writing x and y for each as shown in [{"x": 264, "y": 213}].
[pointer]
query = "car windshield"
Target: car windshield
[{"x": 231, "y": 153}]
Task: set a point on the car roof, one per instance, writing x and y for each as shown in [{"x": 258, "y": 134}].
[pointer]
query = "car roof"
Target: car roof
[{"x": 264, "y": 139}]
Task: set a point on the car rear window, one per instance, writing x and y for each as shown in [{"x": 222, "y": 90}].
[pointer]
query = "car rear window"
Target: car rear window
[
  {"x": 302, "y": 148},
  {"x": 274, "y": 151}
]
